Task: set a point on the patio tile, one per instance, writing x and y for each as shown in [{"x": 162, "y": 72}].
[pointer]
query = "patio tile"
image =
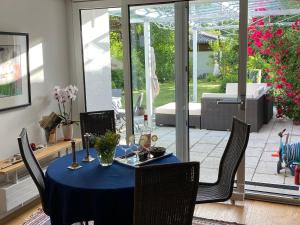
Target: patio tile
[
  {"x": 271, "y": 147},
  {"x": 296, "y": 130},
  {"x": 216, "y": 133},
  {"x": 289, "y": 180},
  {"x": 218, "y": 152},
  {"x": 268, "y": 178},
  {"x": 207, "y": 139},
  {"x": 208, "y": 175},
  {"x": 211, "y": 162},
  {"x": 257, "y": 143},
  {"x": 254, "y": 152},
  {"x": 267, "y": 157},
  {"x": 222, "y": 144},
  {"x": 251, "y": 162},
  {"x": 197, "y": 156},
  {"x": 204, "y": 148},
  {"x": 267, "y": 167},
  {"x": 249, "y": 172}
]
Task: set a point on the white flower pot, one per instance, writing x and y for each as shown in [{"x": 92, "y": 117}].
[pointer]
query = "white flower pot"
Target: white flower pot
[{"x": 67, "y": 131}]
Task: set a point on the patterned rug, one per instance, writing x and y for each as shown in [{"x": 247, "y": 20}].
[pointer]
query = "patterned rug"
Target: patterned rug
[{"x": 40, "y": 218}]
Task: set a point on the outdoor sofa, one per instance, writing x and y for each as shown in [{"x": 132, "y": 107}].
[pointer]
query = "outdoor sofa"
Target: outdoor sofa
[
  {"x": 165, "y": 115},
  {"x": 259, "y": 107}
]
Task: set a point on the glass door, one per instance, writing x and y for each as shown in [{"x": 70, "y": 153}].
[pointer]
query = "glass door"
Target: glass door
[
  {"x": 216, "y": 81},
  {"x": 152, "y": 41}
]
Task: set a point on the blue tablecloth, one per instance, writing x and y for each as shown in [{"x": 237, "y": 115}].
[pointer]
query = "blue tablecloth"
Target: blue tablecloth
[{"x": 93, "y": 192}]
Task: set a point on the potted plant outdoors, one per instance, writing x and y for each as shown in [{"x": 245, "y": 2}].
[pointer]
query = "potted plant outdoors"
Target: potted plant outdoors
[
  {"x": 65, "y": 97},
  {"x": 105, "y": 146}
]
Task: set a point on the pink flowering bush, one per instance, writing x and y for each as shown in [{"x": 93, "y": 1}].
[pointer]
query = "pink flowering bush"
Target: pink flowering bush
[
  {"x": 277, "y": 50},
  {"x": 65, "y": 97}
]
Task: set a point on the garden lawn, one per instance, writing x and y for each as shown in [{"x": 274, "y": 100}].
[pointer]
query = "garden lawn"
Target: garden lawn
[{"x": 167, "y": 92}]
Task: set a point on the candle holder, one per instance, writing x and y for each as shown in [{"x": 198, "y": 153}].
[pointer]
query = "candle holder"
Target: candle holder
[
  {"x": 88, "y": 157},
  {"x": 75, "y": 165}
]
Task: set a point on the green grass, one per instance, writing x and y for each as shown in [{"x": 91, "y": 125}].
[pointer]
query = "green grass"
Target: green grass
[{"x": 167, "y": 92}]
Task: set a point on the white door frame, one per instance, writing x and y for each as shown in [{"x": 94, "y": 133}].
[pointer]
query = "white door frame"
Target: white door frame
[{"x": 181, "y": 61}]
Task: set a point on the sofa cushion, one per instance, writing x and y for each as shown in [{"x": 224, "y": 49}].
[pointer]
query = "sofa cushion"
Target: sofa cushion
[{"x": 253, "y": 89}]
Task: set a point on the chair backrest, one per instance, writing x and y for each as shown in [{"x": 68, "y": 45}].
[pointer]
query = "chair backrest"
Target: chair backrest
[
  {"x": 233, "y": 154},
  {"x": 32, "y": 165},
  {"x": 165, "y": 194},
  {"x": 97, "y": 123}
]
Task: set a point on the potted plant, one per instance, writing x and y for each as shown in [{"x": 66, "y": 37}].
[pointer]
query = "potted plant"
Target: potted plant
[
  {"x": 65, "y": 97},
  {"x": 105, "y": 146}
]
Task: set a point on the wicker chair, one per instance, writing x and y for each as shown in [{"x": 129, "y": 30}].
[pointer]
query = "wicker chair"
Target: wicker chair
[
  {"x": 233, "y": 154},
  {"x": 97, "y": 123},
  {"x": 32, "y": 166},
  {"x": 165, "y": 194}
]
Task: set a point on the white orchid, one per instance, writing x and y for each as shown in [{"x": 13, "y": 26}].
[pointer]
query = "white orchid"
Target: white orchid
[{"x": 63, "y": 96}]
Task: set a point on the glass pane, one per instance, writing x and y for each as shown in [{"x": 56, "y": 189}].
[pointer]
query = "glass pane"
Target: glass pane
[
  {"x": 273, "y": 88},
  {"x": 213, "y": 69},
  {"x": 103, "y": 67},
  {"x": 153, "y": 78}
]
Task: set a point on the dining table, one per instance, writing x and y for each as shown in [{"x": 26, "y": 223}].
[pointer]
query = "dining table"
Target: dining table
[{"x": 103, "y": 194}]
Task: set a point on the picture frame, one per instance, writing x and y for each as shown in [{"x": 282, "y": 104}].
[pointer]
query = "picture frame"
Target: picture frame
[{"x": 14, "y": 70}]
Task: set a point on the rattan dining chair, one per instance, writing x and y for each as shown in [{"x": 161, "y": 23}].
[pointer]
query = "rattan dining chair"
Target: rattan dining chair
[
  {"x": 235, "y": 149},
  {"x": 32, "y": 166},
  {"x": 97, "y": 123},
  {"x": 165, "y": 194}
]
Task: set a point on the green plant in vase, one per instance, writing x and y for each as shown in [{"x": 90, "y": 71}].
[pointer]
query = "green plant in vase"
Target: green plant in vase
[{"x": 105, "y": 146}]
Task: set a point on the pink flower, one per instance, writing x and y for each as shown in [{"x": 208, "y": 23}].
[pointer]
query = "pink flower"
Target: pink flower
[
  {"x": 268, "y": 35},
  {"x": 278, "y": 86},
  {"x": 250, "y": 51},
  {"x": 258, "y": 44},
  {"x": 279, "y": 32}
]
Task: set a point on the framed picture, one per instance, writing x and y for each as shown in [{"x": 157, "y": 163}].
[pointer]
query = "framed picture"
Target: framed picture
[{"x": 14, "y": 70}]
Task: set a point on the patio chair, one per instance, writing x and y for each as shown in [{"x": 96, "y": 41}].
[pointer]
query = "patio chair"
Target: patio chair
[
  {"x": 222, "y": 189},
  {"x": 121, "y": 116},
  {"x": 165, "y": 194},
  {"x": 97, "y": 123}
]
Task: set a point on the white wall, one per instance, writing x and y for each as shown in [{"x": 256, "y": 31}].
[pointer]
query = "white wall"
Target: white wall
[
  {"x": 45, "y": 21},
  {"x": 205, "y": 62}
]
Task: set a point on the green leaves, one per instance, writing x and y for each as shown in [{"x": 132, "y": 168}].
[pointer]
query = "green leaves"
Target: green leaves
[{"x": 107, "y": 142}]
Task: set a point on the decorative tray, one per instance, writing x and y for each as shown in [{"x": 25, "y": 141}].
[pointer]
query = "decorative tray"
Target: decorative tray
[{"x": 133, "y": 161}]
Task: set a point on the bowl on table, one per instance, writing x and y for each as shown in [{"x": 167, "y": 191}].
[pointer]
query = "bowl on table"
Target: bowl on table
[
  {"x": 157, "y": 151},
  {"x": 143, "y": 155}
]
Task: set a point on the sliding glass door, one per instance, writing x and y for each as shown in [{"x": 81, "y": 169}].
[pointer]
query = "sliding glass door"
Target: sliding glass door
[{"x": 152, "y": 41}]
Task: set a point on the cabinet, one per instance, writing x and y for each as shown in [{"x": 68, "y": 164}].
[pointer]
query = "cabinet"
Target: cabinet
[{"x": 17, "y": 187}]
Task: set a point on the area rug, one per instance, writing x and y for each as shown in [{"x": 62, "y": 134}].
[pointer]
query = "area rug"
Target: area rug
[{"x": 40, "y": 218}]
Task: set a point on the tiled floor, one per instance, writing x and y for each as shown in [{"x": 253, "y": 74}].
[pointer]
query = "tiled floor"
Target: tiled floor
[{"x": 207, "y": 147}]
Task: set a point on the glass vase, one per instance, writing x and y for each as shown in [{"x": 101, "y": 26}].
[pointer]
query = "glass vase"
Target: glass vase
[{"x": 106, "y": 157}]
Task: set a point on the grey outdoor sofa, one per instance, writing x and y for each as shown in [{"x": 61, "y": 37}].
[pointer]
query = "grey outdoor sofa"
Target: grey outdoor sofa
[{"x": 259, "y": 108}]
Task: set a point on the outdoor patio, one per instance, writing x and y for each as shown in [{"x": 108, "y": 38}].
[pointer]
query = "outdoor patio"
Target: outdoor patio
[{"x": 207, "y": 147}]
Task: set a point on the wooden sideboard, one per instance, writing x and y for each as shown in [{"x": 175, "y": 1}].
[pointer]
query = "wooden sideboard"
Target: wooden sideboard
[{"x": 18, "y": 189}]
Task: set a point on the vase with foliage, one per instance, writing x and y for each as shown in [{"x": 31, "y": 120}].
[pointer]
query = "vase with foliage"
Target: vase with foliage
[
  {"x": 105, "y": 146},
  {"x": 65, "y": 97}
]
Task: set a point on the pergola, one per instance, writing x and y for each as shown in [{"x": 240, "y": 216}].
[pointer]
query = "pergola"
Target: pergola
[{"x": 205, "y": 15}]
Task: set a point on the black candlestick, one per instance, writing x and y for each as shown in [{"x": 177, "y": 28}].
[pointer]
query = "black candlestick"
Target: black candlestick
[{"x": 74, "y": 164}]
